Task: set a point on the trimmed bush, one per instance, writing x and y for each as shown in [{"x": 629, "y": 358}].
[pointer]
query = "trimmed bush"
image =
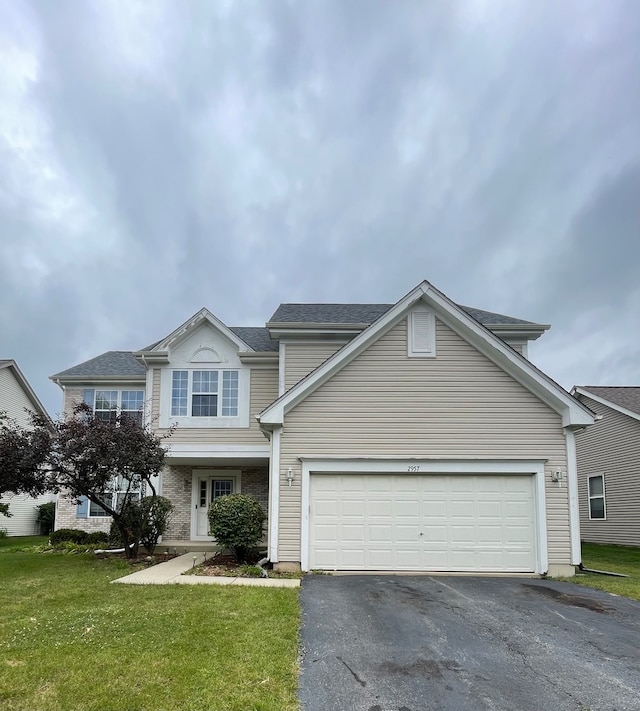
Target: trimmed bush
[
  {"x": 68, "y": 535},
  {"x": 97, "y": 538},
  {"x": 236, "y": 523}
]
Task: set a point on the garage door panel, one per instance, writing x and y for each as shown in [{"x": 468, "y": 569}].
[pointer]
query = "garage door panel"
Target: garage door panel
[{"x": 422, "y": 522}]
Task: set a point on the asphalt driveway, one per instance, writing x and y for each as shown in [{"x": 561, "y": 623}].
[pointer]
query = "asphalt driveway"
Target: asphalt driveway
[{"x": 383, "y": 643}]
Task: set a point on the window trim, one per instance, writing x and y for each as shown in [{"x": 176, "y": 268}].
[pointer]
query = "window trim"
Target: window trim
[
  {"x": 602, "y": 496},
  {"x": 91, "y": 400},
  {"x": 238, "y": 421},
  {"x": 114, "y": 501}
]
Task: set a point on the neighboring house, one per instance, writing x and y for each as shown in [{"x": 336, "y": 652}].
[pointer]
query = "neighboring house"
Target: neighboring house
[
  {"x": 412, "y": 436},
  {"x": 609, "y": 466},
  {"x": 16, "y": 398}
]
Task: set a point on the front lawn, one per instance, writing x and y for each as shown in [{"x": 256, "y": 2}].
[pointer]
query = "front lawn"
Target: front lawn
[
  {"x": 71, "y": 640},
  {"x": 616, "y": 559}
]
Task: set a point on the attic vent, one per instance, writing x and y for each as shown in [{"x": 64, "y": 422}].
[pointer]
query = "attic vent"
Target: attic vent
[{"x": 422, "y": 334}]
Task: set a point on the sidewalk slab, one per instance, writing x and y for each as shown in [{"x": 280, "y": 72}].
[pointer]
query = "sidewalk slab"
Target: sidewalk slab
[{"x": 171, "y": 572}]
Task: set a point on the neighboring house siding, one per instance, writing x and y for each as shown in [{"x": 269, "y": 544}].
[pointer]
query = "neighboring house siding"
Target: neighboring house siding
[
  {"x": 24, "y": 514},
  {"x": 263, "y": 391},
  {"x": 611, "y": 447},
  {"x": 302, "y": 358},
  {"x": 459, "y": 404},
  {"x": 14, "y": 399}
]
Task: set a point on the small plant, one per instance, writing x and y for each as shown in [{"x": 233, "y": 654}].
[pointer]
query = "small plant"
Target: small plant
[
  {"x": 3, "y": 533},
  {"x": 46, "y": 517},
  {"x": 68, "y": 535},
  {"x": 250, "y": 571},
  {"x": 236, "y": 523}
]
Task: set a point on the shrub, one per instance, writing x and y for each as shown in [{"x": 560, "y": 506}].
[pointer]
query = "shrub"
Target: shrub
[
  {"x": 3, "y": 533},
  {"x": 68, "y": 535},
  {"x": 97, "y": 538},
  {"x": 46, "y": 517},
  {"x": 155, "y": 516},
  {"x": 236, "y": 523}
]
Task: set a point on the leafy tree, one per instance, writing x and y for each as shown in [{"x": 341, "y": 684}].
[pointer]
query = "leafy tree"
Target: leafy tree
[
  {"x": 20, "y": 456},
  {"x": 83, "y": 455},
  {"x": 236, "y": 523}
]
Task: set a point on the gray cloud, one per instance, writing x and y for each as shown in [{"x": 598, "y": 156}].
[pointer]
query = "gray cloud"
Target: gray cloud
[{"x": 155, "y": 158}]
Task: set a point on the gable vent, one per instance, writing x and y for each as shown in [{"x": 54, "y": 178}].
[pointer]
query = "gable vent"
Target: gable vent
[{"x": 422, "y": 336}]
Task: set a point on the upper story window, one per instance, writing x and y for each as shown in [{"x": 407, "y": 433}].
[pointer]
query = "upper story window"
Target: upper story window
[
  {"x": 107, "y": 404},
  {"x": 204, "y": 393}
]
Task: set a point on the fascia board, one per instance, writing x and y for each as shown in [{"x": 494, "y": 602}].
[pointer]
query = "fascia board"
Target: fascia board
[
  {"x": 152, "y": 357},
  {"x": 573, "y": 412},
  {"x": 102, "y": 379},
  {"x": 607, "y": 403},
  {"x": 274, "y": 414}
]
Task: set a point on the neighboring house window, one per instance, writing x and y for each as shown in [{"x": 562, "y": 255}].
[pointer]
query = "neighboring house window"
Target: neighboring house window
[
  {"x": 114, "y": 498},
  {"x": 204, "y": 393},
  {"x": 597, "y": 505},
  {"x": 107, "y": 403}
]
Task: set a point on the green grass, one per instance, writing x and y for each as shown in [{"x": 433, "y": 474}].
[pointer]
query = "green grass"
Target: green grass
[
  {"x": 71, "y": 640},
  {"x": 15, "y": 543},
  {"x": 616, "y": 559}
]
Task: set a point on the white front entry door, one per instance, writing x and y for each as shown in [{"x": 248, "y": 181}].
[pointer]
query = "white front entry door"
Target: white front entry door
[
  {"x": 435, "y": 522},
  {"x": 209, "y": 486}
]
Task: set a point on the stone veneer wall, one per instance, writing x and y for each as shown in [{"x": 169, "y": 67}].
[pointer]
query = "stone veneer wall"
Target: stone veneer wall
[{"x": 177, "y": 485}]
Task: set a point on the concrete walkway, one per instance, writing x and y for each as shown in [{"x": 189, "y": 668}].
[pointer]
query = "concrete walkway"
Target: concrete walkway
[{"x": 172, "y": 572}]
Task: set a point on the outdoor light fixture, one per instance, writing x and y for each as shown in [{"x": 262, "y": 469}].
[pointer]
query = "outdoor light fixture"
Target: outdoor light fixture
[
  {"x": 556, "y": 475},
  {"x": 290, "y": 475}
]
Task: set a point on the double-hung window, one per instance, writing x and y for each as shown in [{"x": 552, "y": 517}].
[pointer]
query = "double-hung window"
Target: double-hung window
[
  {"x": 597, "y": 505},
  {"x": 121, "y": 491},
  {"x": 106, "y": 404},
  {"x": 204, "y": 393}
]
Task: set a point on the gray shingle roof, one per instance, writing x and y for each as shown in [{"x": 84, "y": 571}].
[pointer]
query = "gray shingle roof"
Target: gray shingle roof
[
  {"x": 367, "y": 313},
  {"x": 111, "y": 363},
  {"x": 123, "y": 363},
  {"x": 622, "y": 395},
  {"x": 256, "y": 337}
]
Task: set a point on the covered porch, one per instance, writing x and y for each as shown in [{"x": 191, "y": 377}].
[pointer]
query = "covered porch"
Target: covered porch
[{"x": 193, "y": 482}]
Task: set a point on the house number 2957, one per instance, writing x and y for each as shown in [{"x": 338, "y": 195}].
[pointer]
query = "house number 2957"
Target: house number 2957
[{"x": 413, "y": 468}]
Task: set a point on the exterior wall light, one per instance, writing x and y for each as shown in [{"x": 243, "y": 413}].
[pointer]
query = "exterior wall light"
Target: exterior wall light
[{"x": 289, "y": 475}]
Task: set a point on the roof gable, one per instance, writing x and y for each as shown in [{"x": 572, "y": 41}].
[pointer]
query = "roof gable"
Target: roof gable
[
  {"x": 203, "y": 316},
  {"x": 573, "y": 413},
  {"x": 624, "y": 399},
  {"x": 24, "y": 384}
]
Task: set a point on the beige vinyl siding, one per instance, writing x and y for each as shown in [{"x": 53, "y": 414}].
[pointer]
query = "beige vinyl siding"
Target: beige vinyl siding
[
  {"x": 457, "y": 405},
  {"x": 13, "y": 399},
  {"x": 302, "y": 358},
  {"x": 611, "y": 447},
  {"x": 263, "y": 391}
]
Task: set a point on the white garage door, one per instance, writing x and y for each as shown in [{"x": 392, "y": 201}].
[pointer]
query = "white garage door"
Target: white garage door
[{"x": 432, "y": 522}]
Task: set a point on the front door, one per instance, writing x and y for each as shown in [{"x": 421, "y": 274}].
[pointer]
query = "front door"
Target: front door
[{"x": 209, "y": 487}]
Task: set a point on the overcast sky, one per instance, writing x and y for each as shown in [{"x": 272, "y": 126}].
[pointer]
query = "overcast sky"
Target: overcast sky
[{"x": 159, "y": 157}]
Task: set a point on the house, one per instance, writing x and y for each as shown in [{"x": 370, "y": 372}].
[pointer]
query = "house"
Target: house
[
  {"x": 16, "y": 399},
  {"x": 414, "y": 436},
  {"x": 609, "y": 465}
]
